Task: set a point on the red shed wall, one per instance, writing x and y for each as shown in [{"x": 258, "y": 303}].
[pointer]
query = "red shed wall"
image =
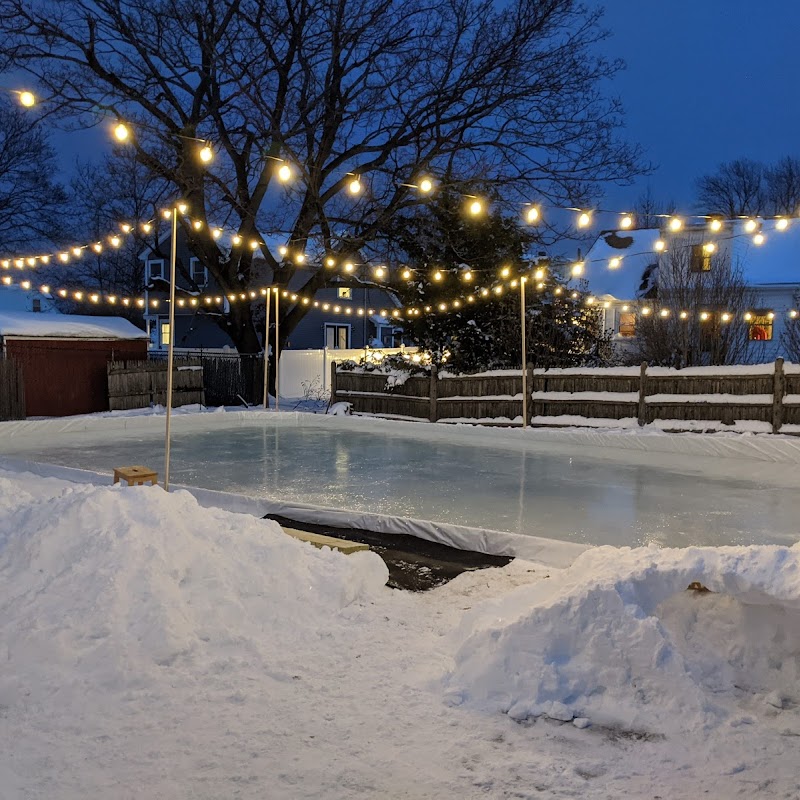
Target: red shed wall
[{"x": 68, "y": 376}]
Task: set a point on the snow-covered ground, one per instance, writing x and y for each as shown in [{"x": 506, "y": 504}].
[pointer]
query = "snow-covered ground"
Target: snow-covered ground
[{"x": 152, "y": 648}]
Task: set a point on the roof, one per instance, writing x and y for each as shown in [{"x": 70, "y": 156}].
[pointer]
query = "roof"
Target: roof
[
  {"x": 775, "y": 262},
  {"x": 67, "y": 326},
  {"x": 637, "y": 252}
]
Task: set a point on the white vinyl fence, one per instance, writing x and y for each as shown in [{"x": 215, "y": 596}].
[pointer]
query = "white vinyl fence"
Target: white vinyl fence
[{"x": 301, "y": 370}]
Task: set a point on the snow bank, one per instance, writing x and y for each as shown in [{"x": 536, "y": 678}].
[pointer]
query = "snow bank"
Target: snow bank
[
  {"x": 618, "y": 640},
  {"x": 106, "y": 588}
]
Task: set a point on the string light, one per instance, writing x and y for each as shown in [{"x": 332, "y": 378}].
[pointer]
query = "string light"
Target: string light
[
  {"x": 750, "y": 225},
  {"x": 781, "y": 224},
  {"x": 715, "y": 225},
  {"x": 709, "y": 247},
  {"x": 437, "y": 276},
  {"x": 27, "y": 99},
  {"x": 425, "y": 185},
  {"x": 660, "y": 246},
  {"x": 626, "y": 222},
  {"x": 675, "y": 224},
  {"x": 121, "y": 132},
  {"x": 206, "y": 154},
  {"x": 577, "y": 269},
  {"x": 614, "y": 263},
  {"x": 284, "y": 173},
  {"x": 758, "y": 239},
  {"x": 476, "y": 207},
  {"x": 533, "y": 215},
  {"x": 584, "y": 219},
  {"x": 354, "y": 187}
]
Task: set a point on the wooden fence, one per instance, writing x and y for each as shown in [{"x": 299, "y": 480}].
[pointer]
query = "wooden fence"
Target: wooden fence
[
  {"x": 758, "y": 397},
  {"x": 12, "y": 390},
  {"x": 490, "y": 399},
  {"x": 139, "y": 384}
]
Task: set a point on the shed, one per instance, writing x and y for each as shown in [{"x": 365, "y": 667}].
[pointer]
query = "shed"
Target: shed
[{"x": 64, "y": 357}]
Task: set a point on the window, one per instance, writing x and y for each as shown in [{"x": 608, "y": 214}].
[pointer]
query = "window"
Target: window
[
  {"x": 36, "y": 306},
  {"x": 386, "y": 334},
  {"x": 165, "y": 334},
  {"x": 337, "y": 337},
  {"x": 155, "y": 269},
  {"x": 345, "y": 293},
  {"x": 760, "y": 328},
  {"x": 198, "y": 272},
  {"x": 627, "y": 324},
  {"x": 700, "y": 259}
]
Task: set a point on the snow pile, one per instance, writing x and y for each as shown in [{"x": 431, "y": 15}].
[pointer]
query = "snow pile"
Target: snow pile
[
  {"x": 106, "y": 588},
  {"x": 617, "y": 639}
]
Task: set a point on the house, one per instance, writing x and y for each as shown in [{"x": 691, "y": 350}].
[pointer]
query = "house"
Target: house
[
  {"x": 339, "y": 316},
  {"x": 64, "y": 358},
  {"x": 626, "y": 269},
  {"x": 16, "y": 298}
]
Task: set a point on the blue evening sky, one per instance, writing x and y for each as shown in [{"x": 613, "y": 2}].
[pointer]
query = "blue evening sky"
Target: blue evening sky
[{"x": 706, "y": 81}]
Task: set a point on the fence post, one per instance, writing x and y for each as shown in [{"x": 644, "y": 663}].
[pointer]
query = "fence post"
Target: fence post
[
  {"x": 778, "y": 390},
  {"x": 530, "y": 392},
  {"x": 333, "y": 383},
  {"x": 434, "y": 394},
  {"x": 643, "y": 394}
]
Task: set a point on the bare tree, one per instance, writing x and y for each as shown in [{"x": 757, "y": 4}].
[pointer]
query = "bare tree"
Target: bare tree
[
  {"x": 31, "y": 202},
  {"x": 790, "y": 336},
  {"x": 377, "y": 89},
  {"x": 650, "y": 211},
  {"x": 782, "y": 186},
  {"x": 737, "y": 188},
  {"x": 697, "y": 286}
]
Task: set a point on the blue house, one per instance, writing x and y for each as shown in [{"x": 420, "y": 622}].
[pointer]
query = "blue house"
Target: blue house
[{"x": 339, "y": 317}]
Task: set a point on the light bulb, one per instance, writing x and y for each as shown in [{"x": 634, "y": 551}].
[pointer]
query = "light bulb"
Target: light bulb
[
  {"x": 532, "y": 214},
  {"x": 584, "y": 219},
  {"x": 236, "y": 240},
  {"x": 330, "y": 262},
  {"x": 660, "y": 246},
  {"x": 284, "y": 173},
  {"x": 197, "y": 224},
  {"x": 577, "y": 269},
  {"x": 283, "y": 250},
  {"x": 379, "y": 272},
  {"x": 709, "y": 247},
  {"x": 750, "y": 225},
  {"x": 715, "y": 225},
  {"x": 675, "y": 223},
  {"x": 758, "y": 239},
  {"x": 115, "y": 241},
  {"x": 426, "y": 185},
  {"x": 406, "y": 274},
  {"x": 475, "y": 207},
  {"x": 614, "y": 263},
  {"x": 505, "y": 272},
  {"x": 437, "y": 276},
  {"x": 354, "y": 187},
  {"x": 206, "y": 154},
  {"x": 182, "y": 208},
  {"x": 27, "y": 99},
  {"x": 121, "y": 132},
  {"x": 468, "y": 275},
  {"x": 626, "y": 221},
  {"x": 216, "y": 233},
  {"x": 781, "y": 224}
]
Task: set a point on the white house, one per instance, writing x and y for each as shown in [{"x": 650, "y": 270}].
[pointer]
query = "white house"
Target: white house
[
  {"x": 624, "y": 268},
  {"x": 15, "y": 298}
]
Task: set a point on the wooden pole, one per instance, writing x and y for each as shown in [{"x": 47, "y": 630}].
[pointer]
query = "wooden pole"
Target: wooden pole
[
  {"x": 642, "y": 419},
  {"x": 170, "y": 351},
  {"x": 277, "y": 350},
  {"x": 524, "y": 352},
  {"x": 433, "y": 414},
  {"x": 266, "y": 354},
  {"x": 778, "y": 391}
]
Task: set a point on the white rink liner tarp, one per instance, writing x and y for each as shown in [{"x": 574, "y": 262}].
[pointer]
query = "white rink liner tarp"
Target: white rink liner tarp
[{"x": 492, "y": 490}]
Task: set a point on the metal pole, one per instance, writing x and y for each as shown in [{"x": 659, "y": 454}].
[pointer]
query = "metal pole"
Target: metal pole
[
  {"x": 524, "y": 352},
  {"x": 277, "y": 350},
  {"x": 170, "y": 351},
  {"x": 266, "y": 355}
]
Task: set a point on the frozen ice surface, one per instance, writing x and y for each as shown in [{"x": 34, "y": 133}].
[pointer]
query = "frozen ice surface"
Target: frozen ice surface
[{"x": 585, "y": 494}]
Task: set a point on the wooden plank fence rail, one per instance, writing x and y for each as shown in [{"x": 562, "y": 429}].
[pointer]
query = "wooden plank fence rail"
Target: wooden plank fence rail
[
  {"x": 762, "y": 397},
  {"x": 139, "y": 384},
  {"x": 12, "y": 390}
]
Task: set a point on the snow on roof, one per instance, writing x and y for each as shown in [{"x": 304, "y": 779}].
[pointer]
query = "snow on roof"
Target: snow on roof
[
  {"x": 775, "y": 261},
  {"x": 636, "y": 251},
  {"x": 67, "y": 326}
]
